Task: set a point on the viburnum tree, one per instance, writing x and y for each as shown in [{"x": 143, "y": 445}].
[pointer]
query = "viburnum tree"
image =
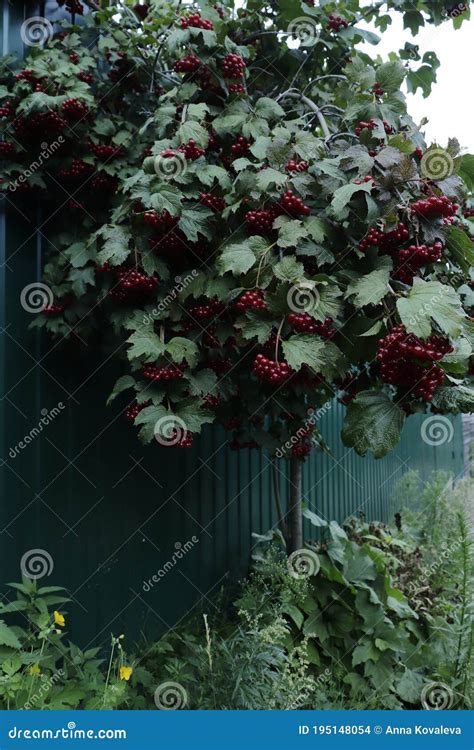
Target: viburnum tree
[{"x": 241, "y": 196}]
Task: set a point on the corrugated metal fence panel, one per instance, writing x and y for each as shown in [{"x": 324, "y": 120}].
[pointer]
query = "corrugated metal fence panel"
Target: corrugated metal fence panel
[{"x": 111, "y": 514}]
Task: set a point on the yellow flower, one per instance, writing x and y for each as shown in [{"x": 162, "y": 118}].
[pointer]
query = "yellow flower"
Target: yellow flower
[
  {"x": 34, "y": 669},
  {"x": 126, "y": 673},
  {"x": 59, "y": 619}
]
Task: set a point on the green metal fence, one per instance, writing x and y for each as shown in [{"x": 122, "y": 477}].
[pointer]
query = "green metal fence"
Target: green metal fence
[{"x": 110, "y": 514}]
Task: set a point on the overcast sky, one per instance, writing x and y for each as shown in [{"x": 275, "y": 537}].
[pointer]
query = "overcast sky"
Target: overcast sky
[{"x": 449, "y": 108}]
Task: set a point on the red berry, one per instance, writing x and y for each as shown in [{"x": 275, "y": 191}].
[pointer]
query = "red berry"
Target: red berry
[
  {"x": 251, "y": 300},
  {"x": 195, "y": 20},
  {"x": 271, "y": 372},
  {"x": 233, "y": 66}
]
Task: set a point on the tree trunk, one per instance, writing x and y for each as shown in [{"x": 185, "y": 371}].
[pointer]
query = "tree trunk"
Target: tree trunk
[{"x": 294, "y": 516}]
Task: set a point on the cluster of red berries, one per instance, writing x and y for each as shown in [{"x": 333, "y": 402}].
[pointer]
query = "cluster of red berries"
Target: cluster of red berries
[
  {"x": 240, "y": 147},
  {"x": 233, "y": 66},
  {"x": 185, "y": 441},
  {"x": 210, "y": 310},
  {"x": 377, "y": 89},
  {"x": 7, "y": 148},
  {"x": 400, "y": 355},
  {"x": 385, "y": 241},
  {"x": 301, "y": 449},
  {"x": 194, "y": 20},
  {"x": 53, "y": 310},
  {"x": 132, "y": 411},
  {"x": 40, "y": 126},
  {"x": 104, "y": 183},
  {"x": 73, "y": 6},
  {"x": 296, "y": 166},
  {"x": 78, "y": 171},
  {"x": 212, "y": 201},
  {"x": 336, "y": 23},
  {"x": 367, "y": 178},
  {"x": 414, "y": 257},
  {"x": 86, "y": 77},
  {"x": 236, "y": 88},
  {"x": 292, "y": 205},
  {"x": 104, "y": 151},
  {"x": 371, "y": 125},
  {"x": 251, "y": 300},
  {"x": 191, "y": 150},
  {"x": 304, "y": 323},
  {"x": 468, "y": 212},
  {"x": 168, "y": 372},
  {"x": 188, "y": 64},
  {"x": 211, "y": 401},
  {"x": 74, "y": 110},
  {"x": 7, "y": 110},
  {"x": 133, "y": 287},
  {"x": 271, "y": 372},
  {"x": 259, "y": 222},
  {"x": 433, "y": 207}
]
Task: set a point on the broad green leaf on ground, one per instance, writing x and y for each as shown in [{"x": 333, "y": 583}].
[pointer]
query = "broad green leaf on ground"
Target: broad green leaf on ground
[
  {"x": 371, "y": 288},
  {"x": 427, "y": 301},
  {"x": 372, "y": 423}
]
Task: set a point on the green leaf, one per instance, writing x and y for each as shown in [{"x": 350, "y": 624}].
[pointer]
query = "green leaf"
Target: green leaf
[
  {"x": 372, "y": 423},
  {"x": 147, "y": 345},
  {"x": 239, "y": 258},
  {"x": 166, "y": 198},
  {"x": 8, "y": 637},
  {"x": 194, "y": 221},
  {"x": 194, "y": 417},
  {"x": 296, "y": 614},
  {"x": 116, "y": 245},
  {"x": 390, "y": 76},
  {"x": 363, "y": 652},
  {"x": 268, "y": 177},
  {"x": 210, "y": 172},
  {"x": 455, "y": 399},
  {"x": 427, "y": 301},
  {"x": 461, "y": 248},
  {"x": 202, "y": 382},
  {"x": 343, "y": 195},
  {"x": 181, "y": 349},
  {"x": 371, "y": 288},
  {"x": 254, "y": 326},
  {"x": 122, "y": 384},
  {"x": 410, "y": 686},
  {"x": 315, "y": 228},
  {"x": 192, "y": 130},
  {"x": 465, "y": 169},
  {"x": 268, "y": 108},
  {"x": 290, "y": 231},
  {"x": 322, "y": 356},
  {"x": 314, "y": 519},
  {"x": 289, "y": 269}
]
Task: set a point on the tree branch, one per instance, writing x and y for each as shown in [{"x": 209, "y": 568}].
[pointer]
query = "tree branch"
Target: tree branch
[{"x": 314, "y": 107}]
